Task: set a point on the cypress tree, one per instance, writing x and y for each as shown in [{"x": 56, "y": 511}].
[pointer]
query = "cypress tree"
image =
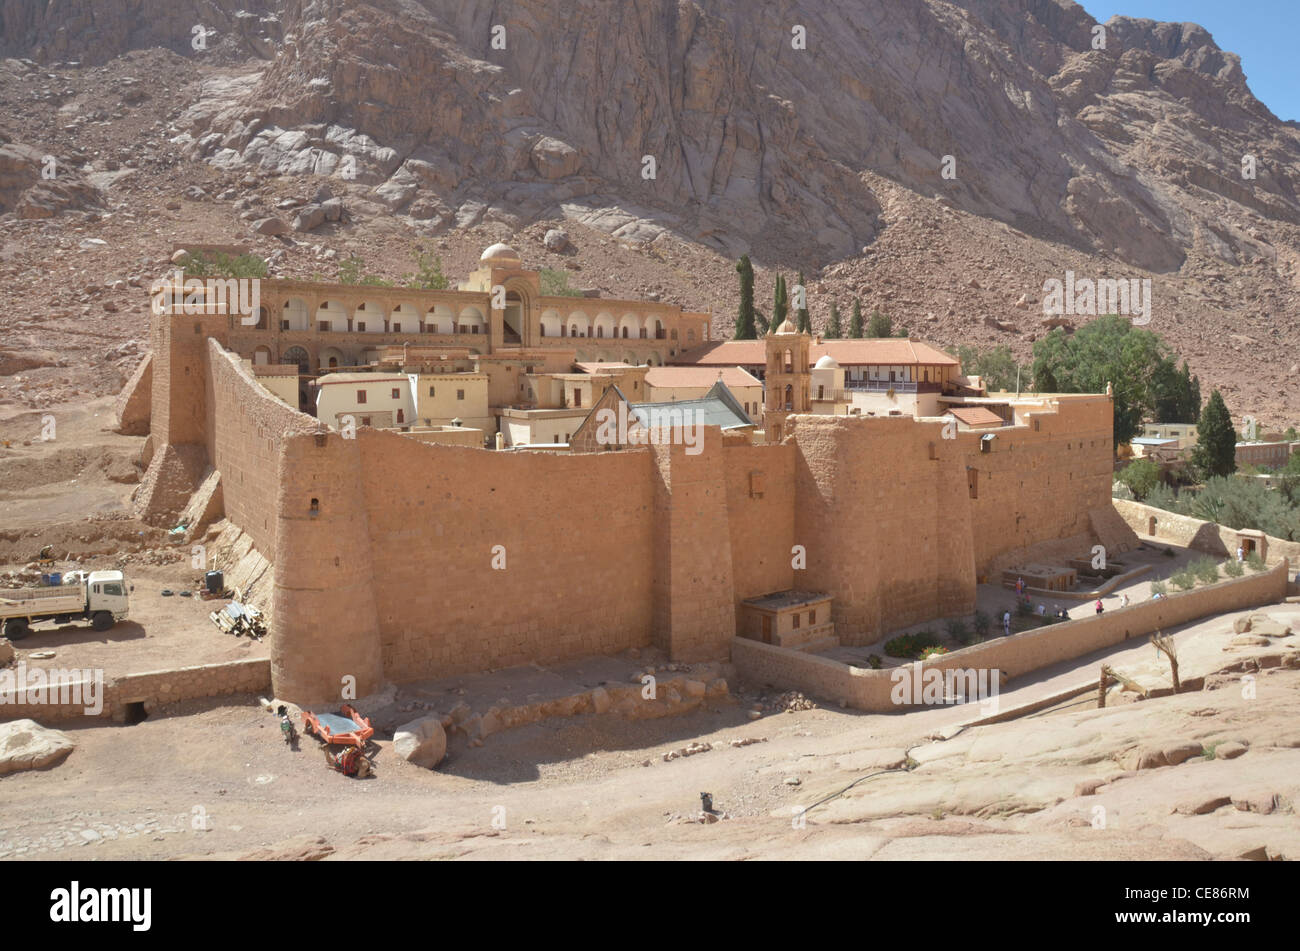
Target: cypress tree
[
  {"x": 781, "y": 304},
  {"x": 761, "y": 324},
  {"x": 1216, "y": 441},
  {"x": 805, "y": 321},
  {"x": 880, "y": 325},
  {"x": 855, "y": 322},
  {"x": 745, "y": 329},
  {"x": 834, "y": 330}
]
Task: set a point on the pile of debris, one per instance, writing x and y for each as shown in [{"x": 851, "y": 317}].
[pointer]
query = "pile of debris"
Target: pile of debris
[
  {"x": 242, "y": 620},
  {"x": 790, "y": 702}
]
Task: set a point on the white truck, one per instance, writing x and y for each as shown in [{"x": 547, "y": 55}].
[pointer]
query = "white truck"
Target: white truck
[{"x": 97, "y": 596}]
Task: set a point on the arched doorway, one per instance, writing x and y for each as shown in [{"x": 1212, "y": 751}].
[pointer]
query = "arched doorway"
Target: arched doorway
[{"x": 299, "y": 356}]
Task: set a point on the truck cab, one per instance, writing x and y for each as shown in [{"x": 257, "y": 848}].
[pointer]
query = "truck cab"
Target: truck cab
[{"x": 107, "y": 591}]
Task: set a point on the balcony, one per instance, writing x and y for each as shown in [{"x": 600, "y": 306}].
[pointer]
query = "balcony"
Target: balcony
[{"x": 879, "y": 386}]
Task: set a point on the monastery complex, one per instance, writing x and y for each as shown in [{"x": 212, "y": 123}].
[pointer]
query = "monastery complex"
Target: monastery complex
[{"x": 454, "y": 481}]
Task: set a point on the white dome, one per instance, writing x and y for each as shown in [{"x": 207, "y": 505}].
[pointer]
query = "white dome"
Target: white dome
[
  {"x": 827, "y": 362},
  {"x": 499, "y": 254}
]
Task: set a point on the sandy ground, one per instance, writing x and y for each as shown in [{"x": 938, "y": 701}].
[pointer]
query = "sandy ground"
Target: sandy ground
[{"x": 219, "y": 781}]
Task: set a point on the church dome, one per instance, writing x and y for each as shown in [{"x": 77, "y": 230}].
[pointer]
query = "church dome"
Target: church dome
[
  {"x": 827, "y": 362},
  {"x": 786, "y": 327},
  {"x": 501, "y": 255}
]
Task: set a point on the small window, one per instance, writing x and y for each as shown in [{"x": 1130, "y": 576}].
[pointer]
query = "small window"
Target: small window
[
  {"x": 401, "y": 418},
  {"x": 796, "y": 620},
  {"x": 812, "y": 617},
  {"x": 397, "y": 394},
  {"x": 430, "y": 391},
  {"x": 361, "y": 396},
  {"x": 112, "y": 588},
  {"x": 460, "y": 394},
  {"x": 361, "y": 325}
]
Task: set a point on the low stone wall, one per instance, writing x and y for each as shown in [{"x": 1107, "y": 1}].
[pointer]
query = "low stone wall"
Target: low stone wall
[
  {"x": 153, "y": 689},
  {"x": 1199, "y": 535},
  {"x": 870, "y": 690}
]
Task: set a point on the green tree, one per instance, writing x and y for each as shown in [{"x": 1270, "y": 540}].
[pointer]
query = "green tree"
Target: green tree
[
  {"x": 1216, "y": 440},
  {"x": 1106, "y": 350},
  {"x": 745, "y": 326},
  {"x": 1175, "y": 395},
  {"x": 880, "y": 325},
  {"x": 855, "y": 322},
  {"x": 780, "y": 303},
  {"x": 804, "y": 321},
  {"x": 998, "y": 367},
  {"x": 834, "y": 330},
  {"x": 1141, "y": 476},
  {"x": 762, "y": 325}
]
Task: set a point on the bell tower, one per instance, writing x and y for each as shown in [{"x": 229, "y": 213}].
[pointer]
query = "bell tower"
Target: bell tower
[{"x": 788, "y": 382}]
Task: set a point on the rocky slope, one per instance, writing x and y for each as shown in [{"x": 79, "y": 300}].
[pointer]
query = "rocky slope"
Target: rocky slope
[{"x": 1123, "y": 162}]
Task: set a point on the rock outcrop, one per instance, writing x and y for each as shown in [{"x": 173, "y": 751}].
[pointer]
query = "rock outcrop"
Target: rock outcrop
[{"x": 25, "y": 744}]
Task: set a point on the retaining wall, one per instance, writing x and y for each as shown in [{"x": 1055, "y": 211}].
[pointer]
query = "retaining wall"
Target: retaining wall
[
  {"x": 152, "y": 689},
  {"x": 865, "y": 689}
]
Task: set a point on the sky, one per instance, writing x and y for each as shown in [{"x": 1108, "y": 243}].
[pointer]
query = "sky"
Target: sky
[{"x": 1262, "y": 32}]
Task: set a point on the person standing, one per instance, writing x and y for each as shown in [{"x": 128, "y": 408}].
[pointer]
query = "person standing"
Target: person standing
[
  {"x": 1099, "y": 607},
  {"x": 1006, "y": 623},
  {"x": 1241, "y": 554}
]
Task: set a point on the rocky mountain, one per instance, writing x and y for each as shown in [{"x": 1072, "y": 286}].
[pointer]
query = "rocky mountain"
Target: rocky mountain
[
  {"x": 940, "y": 159},
  {"x": 759, "y": 144}
]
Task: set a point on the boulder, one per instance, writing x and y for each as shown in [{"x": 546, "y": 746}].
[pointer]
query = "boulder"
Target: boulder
[
  {"x": 6, "y": 652},
  {"x": 556, "y": 240},
  {"x": 25, "y": 744},
  {"x": 333, "y": 208},
  {"x": 422, "y": 742},
  {"x": 270, "y": 226},
  {"x": 554, "y": 159},
  {"x": 308, "y": 217},
  {"x": 1261, "y": 625}
]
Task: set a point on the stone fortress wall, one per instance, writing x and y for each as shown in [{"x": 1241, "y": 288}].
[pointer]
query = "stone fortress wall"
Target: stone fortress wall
[{"x": 384, "y": 546}]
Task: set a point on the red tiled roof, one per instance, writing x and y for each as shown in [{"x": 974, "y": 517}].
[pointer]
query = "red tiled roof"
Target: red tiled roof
[
  {"x": 976, "y": 416},
  {"x": 884, "y": 351},
  {"x": 704, "y": 376}
]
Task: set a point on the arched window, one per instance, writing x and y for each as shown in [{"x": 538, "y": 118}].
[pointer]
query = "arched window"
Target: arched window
[
  {"x": 789, "y": 397},
  {"x": 789, "y": 361}
]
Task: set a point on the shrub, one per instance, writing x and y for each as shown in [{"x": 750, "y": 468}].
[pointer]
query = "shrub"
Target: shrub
[
  {"x": 1024, "y": 608},
  {"x": 1205, "y": 569},
  {"x": 1183, "y": 579},
  {"x": 428, "y": 272},
  {"x": 958, "y": 630},
  {"x": 1160, "y": 588},
  {"x": 982, "y": 623},
  {"x": 933, "y": 651},
  {"x": 554, "y": 282},
  {"x": 875, "y": 661},
  {"x": 909, "y": 646},
  {"x": 1141, "y": 476},
  {"x": 1233, "y": 568},
  {"x": 1254, "y": 562},
  {"x": 217, "y": 264}
]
